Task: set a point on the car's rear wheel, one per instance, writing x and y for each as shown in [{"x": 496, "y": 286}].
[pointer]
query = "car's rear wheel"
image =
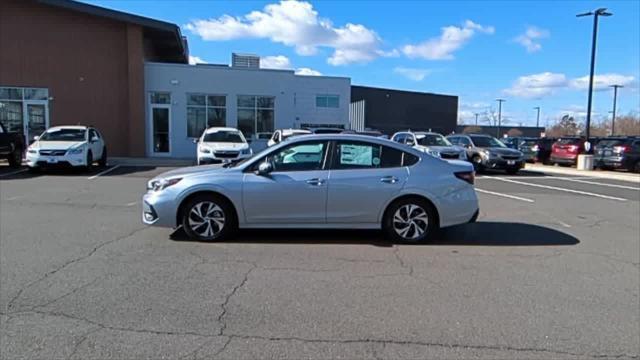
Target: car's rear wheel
[
  {"x": 103, "y": 160},
  {"x": 208, "y": 218},
  {"x": 410, "y": 220},
  {"x": 15, "y": 158}
]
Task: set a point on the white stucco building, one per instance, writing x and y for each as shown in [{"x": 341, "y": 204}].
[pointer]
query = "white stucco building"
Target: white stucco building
[{"x": 182, "y": 100}]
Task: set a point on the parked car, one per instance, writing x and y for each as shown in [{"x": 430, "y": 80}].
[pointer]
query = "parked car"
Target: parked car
[
  {"x": 618, "y": 153},
  {"x": 280, "y": 135},
  {"x": 319, "y": 181},
  {"x": 487, "y": 152},
  {"x": 513, "y": 142},
  {"x": 565, "y": 151},
  {"x": 67, "y": 146},
  {"x": 11, "y": 146},
  {"x": 221, "y": 145},
  {"x": 544, "y": 149},
  {"x": 431, "y": 143},
  {"x": 529, "y": 148}
]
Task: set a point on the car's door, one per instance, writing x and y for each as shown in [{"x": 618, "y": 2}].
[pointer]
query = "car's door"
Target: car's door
[
  {"x": 294, "y": 192},
  {"x": 94, "y": 144},
  {"x": 364, "y": 177}
]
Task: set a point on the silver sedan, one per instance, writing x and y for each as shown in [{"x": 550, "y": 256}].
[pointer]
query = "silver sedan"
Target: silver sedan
[{"x": 318, "y": 181}]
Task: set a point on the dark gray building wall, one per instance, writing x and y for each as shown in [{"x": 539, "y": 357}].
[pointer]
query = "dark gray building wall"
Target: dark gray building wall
[
  {"x": 527, "y": 131},
  {"x": 390, "y": 110}
]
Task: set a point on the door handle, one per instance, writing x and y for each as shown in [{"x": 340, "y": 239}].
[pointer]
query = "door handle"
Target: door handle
[
  {"x": 389, "y": 179},
  {"x": 315, "y": 182}
]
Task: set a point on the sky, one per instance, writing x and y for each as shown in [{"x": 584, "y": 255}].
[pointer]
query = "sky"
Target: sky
[{"x": 530, "y": 53}]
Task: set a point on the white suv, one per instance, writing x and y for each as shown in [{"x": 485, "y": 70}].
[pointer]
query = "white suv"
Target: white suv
[
  {"x": 431, "y": 143},
  {"x": 222, "y": 145},
  {"x": 67, "y": 146}
]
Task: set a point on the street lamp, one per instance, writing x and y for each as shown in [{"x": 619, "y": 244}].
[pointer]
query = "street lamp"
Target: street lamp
[
  {"x": 538, "y": 117},
  {"x": 476, "y": 114},
  {"x": 613, "y": 118},
  {"x": 596, "y": 14},
  {"x": 500, "y": 101}
]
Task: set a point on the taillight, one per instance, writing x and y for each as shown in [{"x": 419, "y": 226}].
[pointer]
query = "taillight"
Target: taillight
[
  {"x": 468, "y": 176},
  {"x": 620, "y": 149},
  {"x": 573, "y": 148}
]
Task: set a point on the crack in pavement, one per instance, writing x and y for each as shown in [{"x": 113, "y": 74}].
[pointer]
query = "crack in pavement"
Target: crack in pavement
[
  {"x": 70, "y": 262},
  {"x": 83, "y": 338},
  {"x": 396, "y": 253},
  {"x": 223, "y": 324}
]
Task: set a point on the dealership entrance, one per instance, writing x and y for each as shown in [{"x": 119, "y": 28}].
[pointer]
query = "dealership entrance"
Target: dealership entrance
[{"x": 24, "y": 110}]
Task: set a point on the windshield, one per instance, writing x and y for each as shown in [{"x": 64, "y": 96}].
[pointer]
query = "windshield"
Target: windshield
[
  {"x": 224, "y": 137},
  {"x": 486, "y": 141},
  {"x": 529, "y": 142},
  {"x": 64, "y": 135},
  {"x": 570, "y": 141},
  {"x": 432, "y": 140}
]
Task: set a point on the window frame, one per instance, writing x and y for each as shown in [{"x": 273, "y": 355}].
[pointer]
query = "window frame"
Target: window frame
[
  {"x": 256, "y": 110},
  {"x": 206, "y": 108},
  {"x": 332, "y": 163},
  {"x": 253, "y": 167},
  {"x": 324, "y": 101}
]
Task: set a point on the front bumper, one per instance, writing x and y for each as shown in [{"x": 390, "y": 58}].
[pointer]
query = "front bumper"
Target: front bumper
[
  {"x": 41, "y": 161},
  {"x": 159, "y": 208},
  {"x": 502, "y": 164},
  {"x": 213, "y": 159}
]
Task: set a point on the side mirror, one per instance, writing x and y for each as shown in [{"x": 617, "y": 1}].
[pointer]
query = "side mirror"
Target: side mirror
[
  {"x": 36, "y": 138},
  {"x": 94, "y": 139},
  {"x": 195, "y": 141},
  {"x": 264, "y": 168}
]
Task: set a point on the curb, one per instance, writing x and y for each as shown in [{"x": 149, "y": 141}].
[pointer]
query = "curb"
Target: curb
[{"x": 610, "y": 175}]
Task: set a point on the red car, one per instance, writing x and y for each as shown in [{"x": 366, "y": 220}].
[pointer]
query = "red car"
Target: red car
[{"x": 565, "y": 151}]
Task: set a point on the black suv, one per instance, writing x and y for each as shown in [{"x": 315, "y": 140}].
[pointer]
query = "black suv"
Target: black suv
[{"x": 618, "y": 153}]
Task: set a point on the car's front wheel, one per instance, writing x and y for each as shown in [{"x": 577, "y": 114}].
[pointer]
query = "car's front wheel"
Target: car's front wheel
[
  {"x": 15, "y": 158},
  {"x": 103, "y": 160},
  {"x": 208, "y": 218},
  {"x": 410, "y": 220}
]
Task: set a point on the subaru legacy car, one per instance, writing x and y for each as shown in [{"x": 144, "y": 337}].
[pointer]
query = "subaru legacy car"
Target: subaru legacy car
[
  {"x": 318, "y": 181},
  {"x": 431, "y": 143},
  {"x": 487, "y": 152},
  {"x": 67, "y": 146},
  {"x": 220, "y": 145}
]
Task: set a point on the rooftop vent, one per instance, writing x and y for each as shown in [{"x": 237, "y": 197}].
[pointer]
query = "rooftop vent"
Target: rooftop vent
[{"x": 247, "y": 61}]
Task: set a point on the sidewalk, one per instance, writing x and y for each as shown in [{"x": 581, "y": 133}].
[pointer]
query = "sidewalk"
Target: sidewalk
[
  {"x": 611, "y": 175},
  {"x": 158, "y": 162}
]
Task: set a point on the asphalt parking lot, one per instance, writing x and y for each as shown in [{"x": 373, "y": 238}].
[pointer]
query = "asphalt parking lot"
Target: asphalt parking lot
[{"x": 551, "y": 270}]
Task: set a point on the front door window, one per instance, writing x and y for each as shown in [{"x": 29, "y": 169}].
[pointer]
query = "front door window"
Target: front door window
[{"x": 160, "y": 124}]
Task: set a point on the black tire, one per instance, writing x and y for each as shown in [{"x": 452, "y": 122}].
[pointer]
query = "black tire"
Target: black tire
[
  {"x": 636, "y": 167},
  {"x": 34, "y": 170},
  {"x": 89, "y": 166},
  {"x": 103, "y": 160},
  {"x": 512, "y": 171},
  {"x": 15, "y": 158},
  {"x": 392, "y": 228},
  {"x": 476, "y": 160},
  {"x": 224, "y": 212}
]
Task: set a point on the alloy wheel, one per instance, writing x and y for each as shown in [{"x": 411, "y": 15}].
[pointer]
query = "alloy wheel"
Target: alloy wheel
[
  {"x": 410, "y": 221},
  {"x": 206, "y": 219}
]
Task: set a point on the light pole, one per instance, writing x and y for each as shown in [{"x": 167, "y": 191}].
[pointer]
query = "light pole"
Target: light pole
[
  {"x": 613, "y": 118},
  {"x": 476, "y": 114},
  {"x": 596, "y": 14},
  {"x": 537, "y": 117},
  {"x": 500, "y": 101}
]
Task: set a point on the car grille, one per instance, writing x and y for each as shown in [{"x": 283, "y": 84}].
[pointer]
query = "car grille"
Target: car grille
[
  {"x": 449, "y": 155},
  {"x": 53, "y": 152},
  {"x": 226, "y": 154},
  {"x": 511, "y": 157}
]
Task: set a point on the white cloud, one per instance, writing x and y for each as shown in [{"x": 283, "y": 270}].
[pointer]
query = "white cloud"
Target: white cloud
[
  {"x": 452, "y": 39},
  {"x": 296, "y": 24},
  {"x": 530, "y": 38},
  {"x": 601, "y": 82},
  {"x": 412, "y": 73},
  {"x": 196, "y": 60},
  {"x": 307, "y": 72},
  {"x": 537, "y": 85},
  {"x": 275, "y": 62}
]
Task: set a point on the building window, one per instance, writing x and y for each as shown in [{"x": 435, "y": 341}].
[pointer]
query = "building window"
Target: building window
[
  {"x": 160, "y": 98},
  {"x": 256, "y": 114},
  {"x": 328, "y": 101},
  {"x": 11, "y": 108},
  {"x": 205, "y": 111}
]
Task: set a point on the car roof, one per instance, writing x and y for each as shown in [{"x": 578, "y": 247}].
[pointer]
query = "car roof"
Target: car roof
[
  {"x": 74, "y": 127},
  {"x": 354, "y": 137},
  {"x": 216, "y": 129}
]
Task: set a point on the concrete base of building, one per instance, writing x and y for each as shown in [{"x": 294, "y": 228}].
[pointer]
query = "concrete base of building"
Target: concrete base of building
[{"x": 612, "y": 175}]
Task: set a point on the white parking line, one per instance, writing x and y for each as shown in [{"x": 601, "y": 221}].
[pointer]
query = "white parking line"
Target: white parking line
[
  {"x": 104, "y": 172},
  {"x": 594, "y": 183},
  {"x": 559, "y": 189},
  {"x": 131, "y": 203},
  {"x": 504, "y": 195},
  {"x": 14, "y": 172}
]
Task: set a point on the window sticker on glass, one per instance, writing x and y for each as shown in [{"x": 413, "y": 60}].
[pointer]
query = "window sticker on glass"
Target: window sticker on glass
[{"x": 356, "y": 155}]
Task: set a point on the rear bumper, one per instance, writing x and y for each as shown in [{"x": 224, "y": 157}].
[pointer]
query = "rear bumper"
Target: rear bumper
[
  {"x": 610, "y": 161},
  {"x": 564, "y": 160}
]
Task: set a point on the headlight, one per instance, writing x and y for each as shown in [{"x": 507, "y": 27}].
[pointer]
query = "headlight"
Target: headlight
[
  {"x": 75, "y": 151},
  {"x": 433, "y": 153},
  {"x": 161, "y": 184},
  {"x": 32, "y": 151},
  {"x": 246, "y": 151},
  {"x": 205, "y": 150}
]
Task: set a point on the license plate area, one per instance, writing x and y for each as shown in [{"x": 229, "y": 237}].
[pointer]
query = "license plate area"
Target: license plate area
[
  {"x": 52, "y": 160},
  {"x": 511, "y": 162}
]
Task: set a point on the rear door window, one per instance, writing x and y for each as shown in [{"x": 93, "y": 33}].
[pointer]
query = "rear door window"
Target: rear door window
[{"x": 364, "y": 155}]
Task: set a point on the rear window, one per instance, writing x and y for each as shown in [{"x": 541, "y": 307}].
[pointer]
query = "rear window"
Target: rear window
[
  {"x": 569, "y": 141},
  {"x": 611, "y": 142},
  {"x": 530, "y": 142}
]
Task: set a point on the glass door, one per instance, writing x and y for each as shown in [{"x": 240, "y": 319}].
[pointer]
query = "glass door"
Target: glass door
[
  {"x": 36, "y": 119},
  {"x": 161, "y": 129}
]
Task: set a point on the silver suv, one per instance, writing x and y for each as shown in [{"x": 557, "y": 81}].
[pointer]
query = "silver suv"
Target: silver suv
[
  {"x": 487, "y": 152},
  {"x": 431, "y": 143}
]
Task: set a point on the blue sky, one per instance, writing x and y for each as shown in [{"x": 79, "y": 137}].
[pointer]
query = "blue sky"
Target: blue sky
[{"x": 531, "y": 53}]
